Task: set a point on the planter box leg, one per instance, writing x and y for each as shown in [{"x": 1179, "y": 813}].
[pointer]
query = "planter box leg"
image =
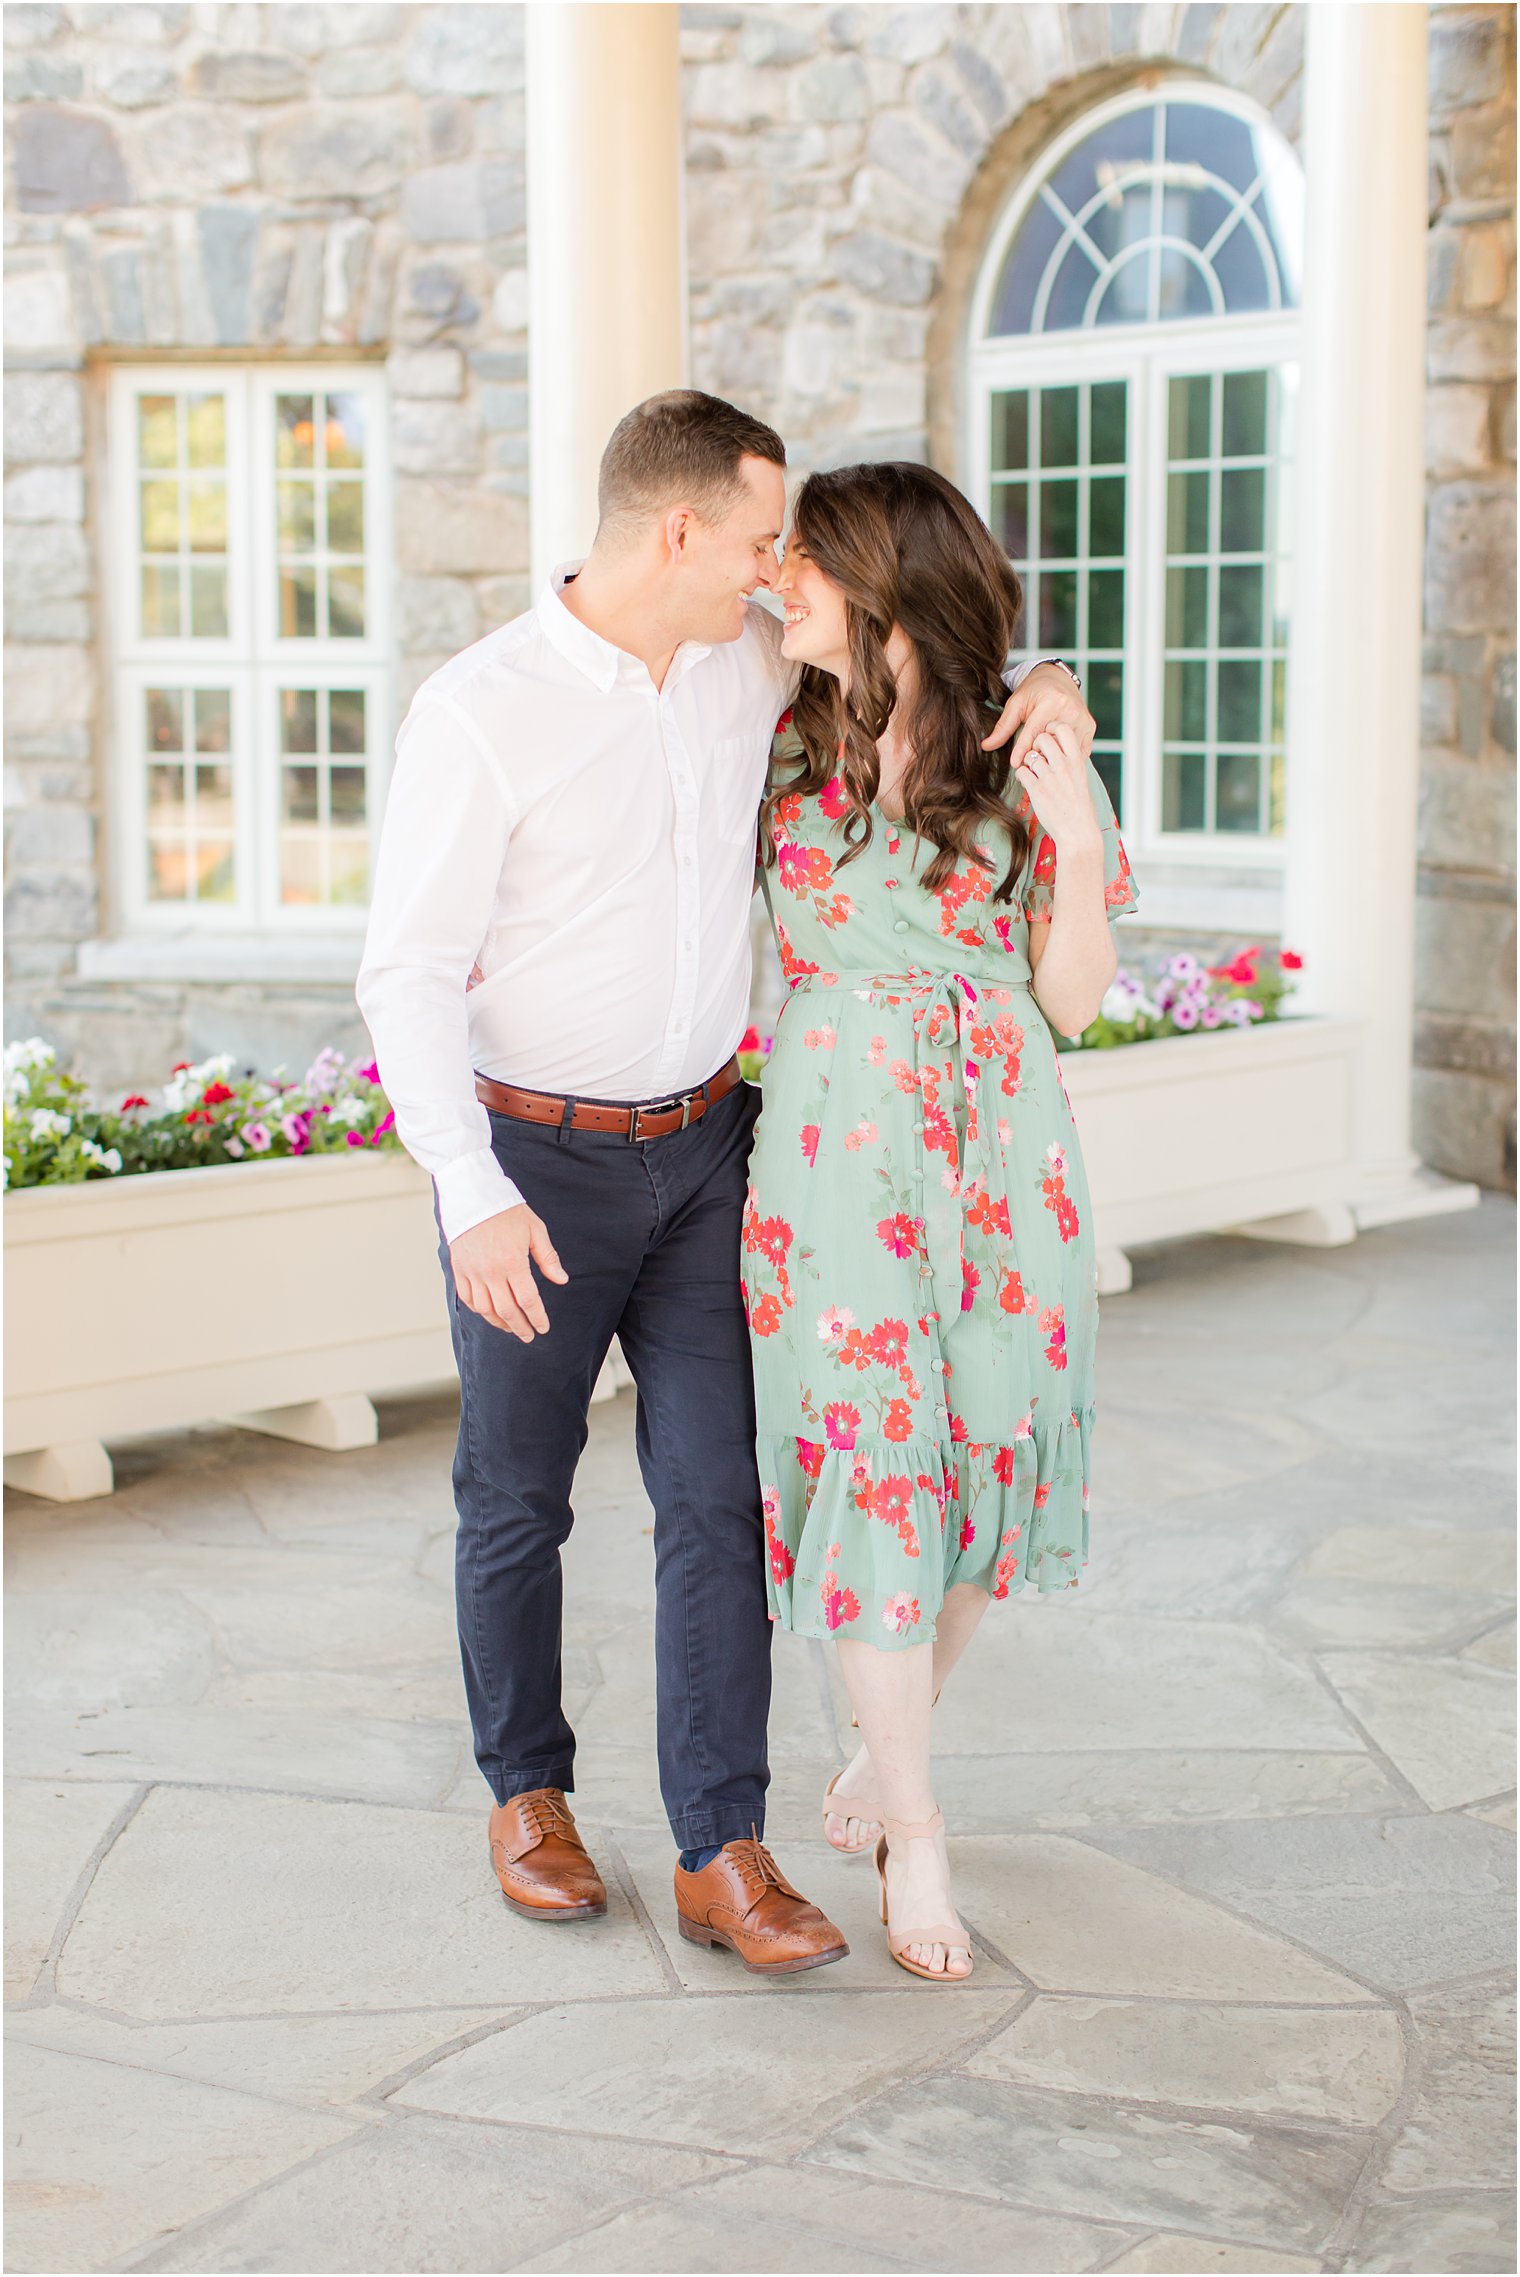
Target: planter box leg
[
  {"x": 75, "y": 1472},
  {"x": 1115, "y": 1273},
  {"x": 1330, "y": 1225},
  {"x": 348, "y": 1420}
]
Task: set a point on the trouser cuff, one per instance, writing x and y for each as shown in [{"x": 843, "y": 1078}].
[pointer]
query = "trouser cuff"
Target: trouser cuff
[{"x": 504, "y": 1784}]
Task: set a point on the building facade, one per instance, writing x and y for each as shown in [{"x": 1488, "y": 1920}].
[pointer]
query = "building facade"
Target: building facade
[{"x": 266, "y": 437}]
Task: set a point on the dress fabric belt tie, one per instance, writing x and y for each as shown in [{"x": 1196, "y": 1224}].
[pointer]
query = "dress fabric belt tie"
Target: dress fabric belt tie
[{"x": 943, "y": 1006}]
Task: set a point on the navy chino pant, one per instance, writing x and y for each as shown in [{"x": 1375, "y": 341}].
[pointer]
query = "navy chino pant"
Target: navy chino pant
[{"x": 649, "y": 1236}]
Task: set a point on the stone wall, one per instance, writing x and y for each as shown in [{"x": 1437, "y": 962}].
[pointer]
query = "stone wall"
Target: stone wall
[
  {"x": 241, "y": 182},
  {"x": 268, "y": 181},
  {"x": 1465, "y": 938},
  {"x": 846, "y": 166}
]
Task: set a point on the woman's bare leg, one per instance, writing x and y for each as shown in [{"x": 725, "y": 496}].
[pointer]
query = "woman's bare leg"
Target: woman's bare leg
[
  {"x": 892, "y": 1693},
  {"x": 958, "y": 1618}
]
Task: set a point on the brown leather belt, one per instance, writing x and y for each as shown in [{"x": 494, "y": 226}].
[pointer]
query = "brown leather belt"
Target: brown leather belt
[{"x": 636, "y": 1124}]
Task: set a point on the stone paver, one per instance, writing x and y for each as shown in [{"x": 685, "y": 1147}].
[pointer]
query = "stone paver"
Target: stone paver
[
  {"x": 1306, "y": 2063},
  {"x": 769, "y": 2218},
  {"x": 50, "y": 1834},
  {"x": 1232, "y": 1826},
  {"x": 727, "y": 2074},
  {"x": 1400, "y": 1901},
  {"x": 101, "y": 2156},
  {"x": 1449, "y": 1727},
  {"x": 432, "y": 2194},
  {"x": 1100, "y": 2158},
  {"x": 344, "y": 1905}
]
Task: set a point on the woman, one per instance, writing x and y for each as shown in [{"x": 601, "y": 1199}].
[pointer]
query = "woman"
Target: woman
[{"x": 918, "y": 1261}]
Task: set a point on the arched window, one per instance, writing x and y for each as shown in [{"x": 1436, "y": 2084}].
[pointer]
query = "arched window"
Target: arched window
[{"x": 1132, "y": 387}]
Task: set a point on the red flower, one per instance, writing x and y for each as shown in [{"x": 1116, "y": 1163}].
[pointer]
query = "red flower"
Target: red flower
[
  {"x": 179, "y": 1067},
  {"x": 897, "y": 1234},
  {"x": 839, "y": 1605},
  {"x": 897, "y": 1423},
  {"x": 217, "y": 1094},
  {"x": 1002, "y": 1466},
  {"x": 958, "y": 1432},
  {"x": 841, "y": 1421},
  {"x": 136, "y": 1100},
  {"x": 1291, "y": 961},
  {"x": 892, "y": 1499},
  {"x": 889, "y": 1341},
  {"x": 766, "y": 1317},
  {"x": 834, "y": 799},
  {"x": 772, "y": 1237},
  {"x": 968, "y": 1533},
  {"x": 971, "y": 1281},
  {"x": 785, "y": 721},
  {"x": 810, "y": 1456},
  {"x": 750, "y": 1040}
]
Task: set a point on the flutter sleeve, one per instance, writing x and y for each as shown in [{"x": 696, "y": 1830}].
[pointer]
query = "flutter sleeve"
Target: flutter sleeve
[{"x": 1036, "y": 891}]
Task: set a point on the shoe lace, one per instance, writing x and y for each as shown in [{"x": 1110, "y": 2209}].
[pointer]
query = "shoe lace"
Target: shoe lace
[
  {"x": 756, "y": 1864},
  {"x": 547, "y": 1814}
]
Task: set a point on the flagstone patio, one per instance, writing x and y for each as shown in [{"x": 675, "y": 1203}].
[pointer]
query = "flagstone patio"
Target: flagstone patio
[{"x": 1233, "y": 1826}]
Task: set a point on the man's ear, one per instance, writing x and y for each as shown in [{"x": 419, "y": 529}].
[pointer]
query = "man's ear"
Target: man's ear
[{"x": 679, "y": 524}]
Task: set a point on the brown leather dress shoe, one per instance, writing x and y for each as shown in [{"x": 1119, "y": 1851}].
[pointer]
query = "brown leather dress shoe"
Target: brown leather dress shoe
[
  {"x": 541, "y": 1861},
  {"x": 742, "y": 1899}
]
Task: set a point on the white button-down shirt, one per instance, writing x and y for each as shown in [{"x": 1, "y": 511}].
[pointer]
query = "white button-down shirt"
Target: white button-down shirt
[{"x": 587, "y": 841}]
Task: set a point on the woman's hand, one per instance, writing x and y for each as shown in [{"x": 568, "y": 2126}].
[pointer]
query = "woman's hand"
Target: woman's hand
[
  {"x": 1054, "y": 773},
  {"x": 1044, "y": 696}
]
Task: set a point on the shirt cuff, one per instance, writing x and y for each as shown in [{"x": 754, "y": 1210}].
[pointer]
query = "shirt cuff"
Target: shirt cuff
[
  {"x": 472, "y": 1188},
  {"x": 1018, "y": 672}
]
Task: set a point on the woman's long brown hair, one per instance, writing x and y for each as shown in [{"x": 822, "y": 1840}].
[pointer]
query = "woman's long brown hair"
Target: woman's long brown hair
[{"x": 907, "y": 549}]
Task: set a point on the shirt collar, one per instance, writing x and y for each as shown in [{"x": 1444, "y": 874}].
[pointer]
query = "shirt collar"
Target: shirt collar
[
  {"x": 599, "y": 659},
  {"x": 576, "y": 642}
]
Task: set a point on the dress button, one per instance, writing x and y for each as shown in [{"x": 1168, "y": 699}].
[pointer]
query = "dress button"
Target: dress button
[
  {"x": 938, "y": 1366},
  {"x": 941, "y": 1415},
  {"x": 899, "y": 924}
]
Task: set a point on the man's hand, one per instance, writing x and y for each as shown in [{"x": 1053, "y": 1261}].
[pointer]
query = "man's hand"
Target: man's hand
[
  {"x": 1046, "y": 697},
  {"x": 493, "y": 1271}
]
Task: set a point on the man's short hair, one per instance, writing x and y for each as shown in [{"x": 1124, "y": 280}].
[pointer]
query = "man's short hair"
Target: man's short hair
[{"x": 682, "y": 447}]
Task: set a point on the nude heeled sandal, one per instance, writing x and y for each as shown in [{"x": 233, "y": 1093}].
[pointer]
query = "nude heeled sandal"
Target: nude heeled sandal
[
  {"x": 849, "y": 1806},
  {"x": 954, "y": 1940}
]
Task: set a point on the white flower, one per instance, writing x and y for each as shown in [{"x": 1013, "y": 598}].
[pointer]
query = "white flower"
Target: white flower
[
  {"x": 350, "y": 1110},
  {"x": 107, "y": 1157},
  {"x": 33, "y": 1053},
  {"x": 46, "y": 1124}
]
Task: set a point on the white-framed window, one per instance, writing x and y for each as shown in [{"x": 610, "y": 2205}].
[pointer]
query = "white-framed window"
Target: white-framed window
[
  {"x": 1131, "y": 389},
  {"x": 250, "y": 542}
]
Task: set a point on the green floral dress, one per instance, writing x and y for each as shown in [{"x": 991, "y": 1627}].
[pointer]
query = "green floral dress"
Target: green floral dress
[{"x": 917, "y": 1255}]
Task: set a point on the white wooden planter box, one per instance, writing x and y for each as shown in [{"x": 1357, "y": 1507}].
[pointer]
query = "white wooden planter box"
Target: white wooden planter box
[
  {"x": 1249, "y": 1129},
  {"x": 287, "y": 1293},
  {"x": 282, "y": 1293}
]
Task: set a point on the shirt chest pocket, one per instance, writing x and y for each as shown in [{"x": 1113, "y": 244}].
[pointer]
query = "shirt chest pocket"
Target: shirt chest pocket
[{"x": 736, "y": 781}]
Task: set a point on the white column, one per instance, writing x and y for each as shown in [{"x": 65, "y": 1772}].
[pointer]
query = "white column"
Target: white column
[
  {"x": 1354, "y": 695},
  {"x": 606, "y": 244}
]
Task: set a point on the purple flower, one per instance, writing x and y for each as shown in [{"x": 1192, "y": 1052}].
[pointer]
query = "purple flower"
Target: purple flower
[
  {"x": 257, "y": 1138},
  {"x": 1212, "y": 1016},
  {"x": 352, "y": 1138},
  {"x": 1185, "y": 1016},
  {"x": 297, "y": 1129}
]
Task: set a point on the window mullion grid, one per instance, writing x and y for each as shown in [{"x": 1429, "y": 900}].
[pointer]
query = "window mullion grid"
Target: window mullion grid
[{"x": 1211, "y": 668}]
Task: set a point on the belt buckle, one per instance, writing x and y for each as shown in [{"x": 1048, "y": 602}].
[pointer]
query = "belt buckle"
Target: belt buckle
[{"x": 655, "y": 1107}]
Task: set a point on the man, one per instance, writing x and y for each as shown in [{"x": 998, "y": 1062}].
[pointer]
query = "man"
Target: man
[{"x": 560, "y": 931}]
